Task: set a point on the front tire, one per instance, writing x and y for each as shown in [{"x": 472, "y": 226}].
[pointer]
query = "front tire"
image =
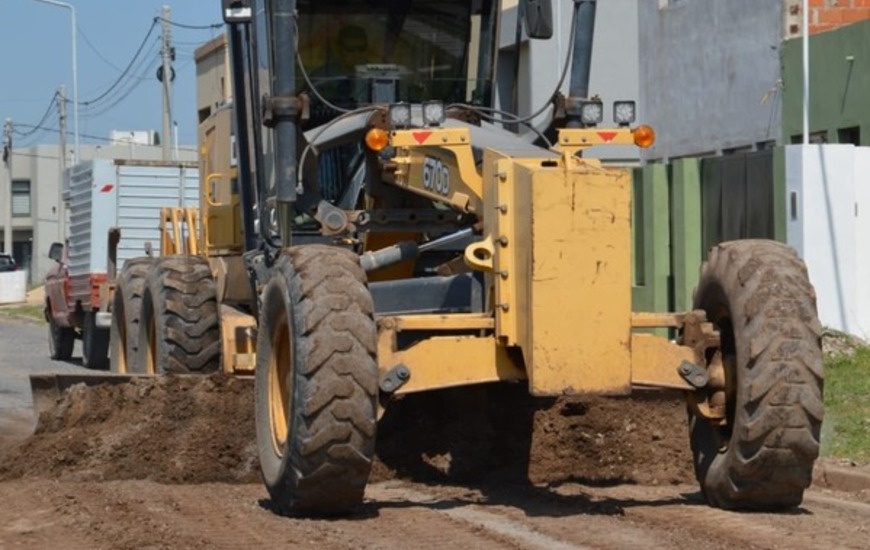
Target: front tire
[
  {"x": 316, "y": 382},
  {"x": 757, "y": 294},
  {"x": 179, "y": 328},
  {"x": 126, "y": 314}
]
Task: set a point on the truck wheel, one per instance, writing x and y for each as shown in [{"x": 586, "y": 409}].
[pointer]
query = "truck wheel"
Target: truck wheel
[
  {"x": 95, "y": 344},
  {"x": 179, "y": 330},
  {"x": 126, "y": 310},
  {"x": 316, "y": 382},
  {"x": 759, "y": 297},
  {"x": 60, "y": 340}
]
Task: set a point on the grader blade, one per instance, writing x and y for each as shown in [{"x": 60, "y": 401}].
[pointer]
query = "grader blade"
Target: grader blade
[{"x": 46, "y": 389}]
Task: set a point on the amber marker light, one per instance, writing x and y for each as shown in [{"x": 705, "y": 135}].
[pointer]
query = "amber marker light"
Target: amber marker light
[
  {"x": 644, "y": 136},
  {"x": 377, "y": 139}
]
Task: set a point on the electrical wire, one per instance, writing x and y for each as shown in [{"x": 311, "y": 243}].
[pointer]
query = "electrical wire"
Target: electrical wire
[
  {"x": 38, "y": 126},
  {"x": 193, "y": 27},
  {"x": 33, "y": 155},
  {"x": 140, "y": 73},
  {"x": 505, "y": 116},
  {"x": 125, "y": 71},
  {"x": 565, "y": 67},
  {"x": 100, "y": 138},
  {"x": 311, "y": 87},
  {"x": 97, "y": 52}
]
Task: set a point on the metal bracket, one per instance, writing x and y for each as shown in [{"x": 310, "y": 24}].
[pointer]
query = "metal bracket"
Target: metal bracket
[
  {"x": 292, "y": 107},
  {"x": 693, "y": 374},
  {"x": 395, "y": 378}
]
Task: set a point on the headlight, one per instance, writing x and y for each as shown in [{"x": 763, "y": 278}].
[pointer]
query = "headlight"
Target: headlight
[
  {"x": 624, "y": 112},
  {"x": 433, "y": 113},
  {"x": 400, "y": 115},
  {"x": 591, "y": 112}
]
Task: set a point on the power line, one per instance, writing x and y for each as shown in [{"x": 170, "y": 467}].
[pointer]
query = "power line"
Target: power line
[
  {"x": 38, "y": 125},
  {"x": 194, "y": 27},
  {"x": 99, "y": 138},
  {"x": 126, "y": 70},
  {"x": 96, "y": 51},
  {"x": 34, "y": 155},
  {"x": 132, "y": 82},
  {"x": 136, "y": 82}
]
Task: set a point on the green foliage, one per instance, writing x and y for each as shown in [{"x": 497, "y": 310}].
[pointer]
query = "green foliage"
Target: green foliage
[{"x": 846, "y": 428}]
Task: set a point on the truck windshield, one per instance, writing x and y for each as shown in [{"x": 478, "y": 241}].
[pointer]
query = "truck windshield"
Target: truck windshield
[{"x": 382, "y": 51}]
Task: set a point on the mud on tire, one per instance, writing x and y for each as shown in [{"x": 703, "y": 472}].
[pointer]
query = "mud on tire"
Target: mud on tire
[
  {"x": 759, "y": 297},
  {"x": 126, "y": 312},
  {"x": 316, "y": 382},
  {"x": 180, "y": 329}
]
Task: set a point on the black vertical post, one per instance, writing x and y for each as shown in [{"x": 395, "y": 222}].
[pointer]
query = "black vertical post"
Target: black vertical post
[
  {"x": 240, "y": 109},
  {"x": 581, "y": 49},
  {"x": 283, "y": 45},
  {"x": 581, "y": 60}
]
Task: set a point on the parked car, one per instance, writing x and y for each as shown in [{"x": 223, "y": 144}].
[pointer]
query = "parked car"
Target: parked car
[{"x": 7, "y": 263}]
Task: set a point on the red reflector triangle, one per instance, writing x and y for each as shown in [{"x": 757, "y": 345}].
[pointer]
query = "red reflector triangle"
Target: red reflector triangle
[
  {"x": 421, "y": 136},
  {"x": 607, "y": 136},
  {"x": 106, "y": 188}
]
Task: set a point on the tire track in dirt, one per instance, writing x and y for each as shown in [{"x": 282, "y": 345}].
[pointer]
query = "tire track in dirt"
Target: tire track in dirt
[{"x": 811, "y": 526}]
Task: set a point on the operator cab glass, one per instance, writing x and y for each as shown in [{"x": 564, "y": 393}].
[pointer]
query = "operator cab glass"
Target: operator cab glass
[{"x": 383, "y": 51}]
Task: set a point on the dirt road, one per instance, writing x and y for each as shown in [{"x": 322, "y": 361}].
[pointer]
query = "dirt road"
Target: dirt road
[
  {"x": 401, "y": 515},
  {"x": 170, "y": 463}
]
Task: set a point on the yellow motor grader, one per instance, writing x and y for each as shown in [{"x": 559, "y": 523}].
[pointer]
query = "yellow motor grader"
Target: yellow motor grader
[{"x": 383, "y": 229}]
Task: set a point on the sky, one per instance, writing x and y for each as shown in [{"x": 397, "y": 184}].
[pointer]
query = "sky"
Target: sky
[{"x": 36, "y": 59}]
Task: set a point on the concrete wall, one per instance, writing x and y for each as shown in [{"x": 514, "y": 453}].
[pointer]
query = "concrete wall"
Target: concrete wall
[
  {"x": 709, "y": 74},
  {"x": 41, "y": 166},
  {"x": 828, "y": 223},
  {"x": 615, "y": 62},
  {"x": 839, "y": 84}
]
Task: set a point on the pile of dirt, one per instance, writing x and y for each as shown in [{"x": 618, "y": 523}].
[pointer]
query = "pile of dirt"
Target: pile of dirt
[
  {"x": 499, "y": 433},
  {"x": 201, "y": 429},
  {"x": 168, "y": 429}
]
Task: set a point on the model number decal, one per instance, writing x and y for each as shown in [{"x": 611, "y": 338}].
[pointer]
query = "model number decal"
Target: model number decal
[{"x": 436, "y": 176}]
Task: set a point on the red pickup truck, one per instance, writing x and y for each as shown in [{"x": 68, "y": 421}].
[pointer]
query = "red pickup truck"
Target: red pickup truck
[{"x": 72, "y": 309}]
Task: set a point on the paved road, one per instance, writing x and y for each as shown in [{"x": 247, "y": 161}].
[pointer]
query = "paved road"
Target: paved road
[{"x": 24, "y": 351}]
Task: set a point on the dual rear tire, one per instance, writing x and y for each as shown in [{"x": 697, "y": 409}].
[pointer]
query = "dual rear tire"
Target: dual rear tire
[{"x": 179, "y": 328}]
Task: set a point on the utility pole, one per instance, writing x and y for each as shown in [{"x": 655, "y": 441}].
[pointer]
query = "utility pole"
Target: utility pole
[
  {"x": 61, "y": 215},
  {"x": 166, "y": 79},
  {"x": 7, "y": 189}
]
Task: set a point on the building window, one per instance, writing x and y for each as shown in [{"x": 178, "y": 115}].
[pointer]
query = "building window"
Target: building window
[
  {"x": 21, "y": 199},
  {"x": 849, "y": 135},
  {"x": 815, "y": 138}
]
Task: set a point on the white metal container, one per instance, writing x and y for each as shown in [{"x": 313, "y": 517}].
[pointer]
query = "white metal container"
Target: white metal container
[{"x": 109, "y": 193}]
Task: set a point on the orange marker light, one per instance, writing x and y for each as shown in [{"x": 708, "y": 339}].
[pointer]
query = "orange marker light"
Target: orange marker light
[
  {"x": 377, "y": 139},
  {"x": 644, "y": 136}
]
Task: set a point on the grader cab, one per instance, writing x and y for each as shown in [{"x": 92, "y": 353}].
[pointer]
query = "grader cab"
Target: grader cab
[{"x": 384, "y": 230}]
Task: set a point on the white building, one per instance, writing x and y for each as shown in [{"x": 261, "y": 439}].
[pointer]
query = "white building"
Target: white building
[{"x": 35, "y": 195}]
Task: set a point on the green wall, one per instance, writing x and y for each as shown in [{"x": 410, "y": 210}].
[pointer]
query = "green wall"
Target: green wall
[{"x": 839, "y": 83}]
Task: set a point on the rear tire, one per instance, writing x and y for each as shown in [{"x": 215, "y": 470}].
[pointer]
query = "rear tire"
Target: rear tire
[
  {"x": 95, "y": 344},
  {"x": 126, "y": 312},
  {"x": 316, "y": 382},
  {"x": 179, "y": 330},
  {"x": 61, "y": 340},
  {"x": 759, "y": 297}
]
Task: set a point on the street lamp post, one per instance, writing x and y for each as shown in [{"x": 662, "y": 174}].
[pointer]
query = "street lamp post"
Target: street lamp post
[{"x": 75, "y": 75}]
